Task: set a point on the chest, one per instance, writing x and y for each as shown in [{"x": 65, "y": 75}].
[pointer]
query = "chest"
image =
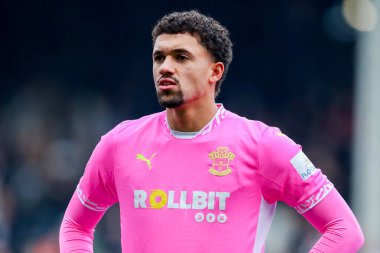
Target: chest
[
  {"x": 189, "y": 182},
  {"x": 182, "y": 165}
]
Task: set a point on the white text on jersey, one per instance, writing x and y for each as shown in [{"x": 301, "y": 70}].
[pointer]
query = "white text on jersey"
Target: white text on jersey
[{"x": 200, "y": 200}]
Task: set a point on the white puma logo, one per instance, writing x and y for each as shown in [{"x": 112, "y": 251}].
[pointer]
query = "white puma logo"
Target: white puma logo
[{"x": 148, "y": 161}]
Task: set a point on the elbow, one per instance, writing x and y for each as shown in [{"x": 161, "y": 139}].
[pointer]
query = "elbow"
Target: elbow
[{"x": 359, "y": 239}]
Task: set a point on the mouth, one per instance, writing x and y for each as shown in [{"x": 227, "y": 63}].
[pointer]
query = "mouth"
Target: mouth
[{"x": 166, "y": 83}]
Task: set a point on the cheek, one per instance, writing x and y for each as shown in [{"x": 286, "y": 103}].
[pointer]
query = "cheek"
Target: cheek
[
  {"x": 155, "y": 73},
  {"x": 200, "y": 78},
  {"x": 197, "y": 74}
]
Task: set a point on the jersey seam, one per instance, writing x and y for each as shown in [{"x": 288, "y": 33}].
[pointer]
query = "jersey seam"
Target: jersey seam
[
  {"x": 107, "y": 172},
  {"x": 259, "y": 166}
]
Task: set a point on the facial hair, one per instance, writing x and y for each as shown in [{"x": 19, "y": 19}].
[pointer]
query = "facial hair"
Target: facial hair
[{"x": 170, "y": 99}]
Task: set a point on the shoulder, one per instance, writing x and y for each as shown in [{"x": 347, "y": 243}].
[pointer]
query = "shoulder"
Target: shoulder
[
  {"x": 260, "y": 134},
  {"x": 130, "y": 127},
  {"x": 255, "y": 127}
]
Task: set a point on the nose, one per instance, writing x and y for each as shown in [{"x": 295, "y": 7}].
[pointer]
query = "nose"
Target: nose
[{"x": 166, "y": 67}]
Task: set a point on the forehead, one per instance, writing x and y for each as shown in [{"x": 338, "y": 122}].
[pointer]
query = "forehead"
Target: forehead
[{"x": 165, "y": 42}]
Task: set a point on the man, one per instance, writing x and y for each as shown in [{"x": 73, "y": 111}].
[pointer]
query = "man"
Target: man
[{"x": 196, "y": 177}]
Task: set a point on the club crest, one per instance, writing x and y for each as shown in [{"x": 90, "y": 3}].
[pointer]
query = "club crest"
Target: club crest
[{"x": 221, "y": 158}]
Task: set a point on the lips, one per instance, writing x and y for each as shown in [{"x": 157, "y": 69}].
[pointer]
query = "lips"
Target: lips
[{"x": 166, "y": 83}]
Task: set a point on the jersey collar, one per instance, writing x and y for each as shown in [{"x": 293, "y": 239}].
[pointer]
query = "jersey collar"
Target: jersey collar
[{"x": 214, "y": 122}]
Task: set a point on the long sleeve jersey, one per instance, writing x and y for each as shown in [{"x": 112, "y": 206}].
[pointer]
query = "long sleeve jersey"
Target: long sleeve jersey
[{"x": 216, "y": 192}]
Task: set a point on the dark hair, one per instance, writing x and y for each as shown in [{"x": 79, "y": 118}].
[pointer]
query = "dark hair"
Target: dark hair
[{"x": 212, "y": 35}]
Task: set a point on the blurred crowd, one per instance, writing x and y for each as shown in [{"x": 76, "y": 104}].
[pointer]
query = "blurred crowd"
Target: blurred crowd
[
  {"x": 45, "y": 142},
  {"x": 47, "y": 135}
]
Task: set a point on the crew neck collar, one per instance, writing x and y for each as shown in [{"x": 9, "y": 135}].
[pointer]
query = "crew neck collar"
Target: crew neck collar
[{"x": 215, "y": 121}]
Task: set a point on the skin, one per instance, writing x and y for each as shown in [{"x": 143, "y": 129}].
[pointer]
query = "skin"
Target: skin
[{"x": 185, "y": 75}]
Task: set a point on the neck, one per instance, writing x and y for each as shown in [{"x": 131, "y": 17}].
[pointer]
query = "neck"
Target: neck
[{"x": 191, "y": 118}]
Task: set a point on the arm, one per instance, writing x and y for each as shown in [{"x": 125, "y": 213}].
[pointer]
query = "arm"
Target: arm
[
  {"x": 288, "y": 175},
  {"x": 77, "y": 229},
  {"x": 340, "y": 230},
  {"x": 94, "y": 194}
]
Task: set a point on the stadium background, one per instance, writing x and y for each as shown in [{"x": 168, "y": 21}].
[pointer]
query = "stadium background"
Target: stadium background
[{"x": 71, "y": 70}]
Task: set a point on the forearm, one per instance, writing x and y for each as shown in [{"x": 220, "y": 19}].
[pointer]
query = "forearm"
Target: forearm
[
  {"x": 73, "y": 238},
  {"x": 77, "y": 228},
  {"x": 338, "y": 238},
  {"x": 340, "y": 231}
]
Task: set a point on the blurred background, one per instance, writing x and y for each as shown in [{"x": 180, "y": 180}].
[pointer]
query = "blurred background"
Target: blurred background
[{"x": 71, "y": 70}]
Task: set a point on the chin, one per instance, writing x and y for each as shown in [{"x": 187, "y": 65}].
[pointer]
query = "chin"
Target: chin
[{"x": 172, "y": 101}]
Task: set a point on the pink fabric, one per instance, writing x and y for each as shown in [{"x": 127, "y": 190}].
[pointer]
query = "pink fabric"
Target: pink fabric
[
  {"x": 286, "y": 174},
  {"x": 334, "y": 220},
  {"x": 214, "y": 193},
  {"x": 77, "y": 228},
  {"x": 339, "y": 228}
]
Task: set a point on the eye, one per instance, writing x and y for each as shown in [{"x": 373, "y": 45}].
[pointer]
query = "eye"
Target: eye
[
  {"x": 159, "y": 58},
  {"x": 182, "y": 57}
]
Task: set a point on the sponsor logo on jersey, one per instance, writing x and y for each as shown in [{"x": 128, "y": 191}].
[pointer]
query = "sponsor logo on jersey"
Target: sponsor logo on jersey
[
  {"x": 146, "y": 160},
  {"x": 202, "y": 201},
  {"x": 221, "y": 159},
  {"x": 303, "y": 165},
  {"x": 198, "y": 200}
]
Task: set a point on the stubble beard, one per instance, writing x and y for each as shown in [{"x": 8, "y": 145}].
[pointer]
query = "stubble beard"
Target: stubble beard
[{"x": 170, "y": 99}]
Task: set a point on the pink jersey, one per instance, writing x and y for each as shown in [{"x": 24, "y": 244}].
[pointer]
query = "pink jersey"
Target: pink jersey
[{"x": 215, "y": 192}]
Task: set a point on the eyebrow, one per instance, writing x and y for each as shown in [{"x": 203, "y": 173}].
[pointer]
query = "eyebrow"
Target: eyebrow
[{"x": 175, "y": 51}]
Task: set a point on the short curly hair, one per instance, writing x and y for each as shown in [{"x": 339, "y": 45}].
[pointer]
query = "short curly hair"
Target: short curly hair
[{"x": 212, "y": 35}]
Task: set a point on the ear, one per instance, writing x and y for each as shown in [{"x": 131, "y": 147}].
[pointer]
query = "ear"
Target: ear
[{"x": 216, "y": 72}]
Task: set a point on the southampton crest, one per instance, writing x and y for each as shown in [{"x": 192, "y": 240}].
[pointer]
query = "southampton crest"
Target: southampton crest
[{"x": 221, "y": 161}]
